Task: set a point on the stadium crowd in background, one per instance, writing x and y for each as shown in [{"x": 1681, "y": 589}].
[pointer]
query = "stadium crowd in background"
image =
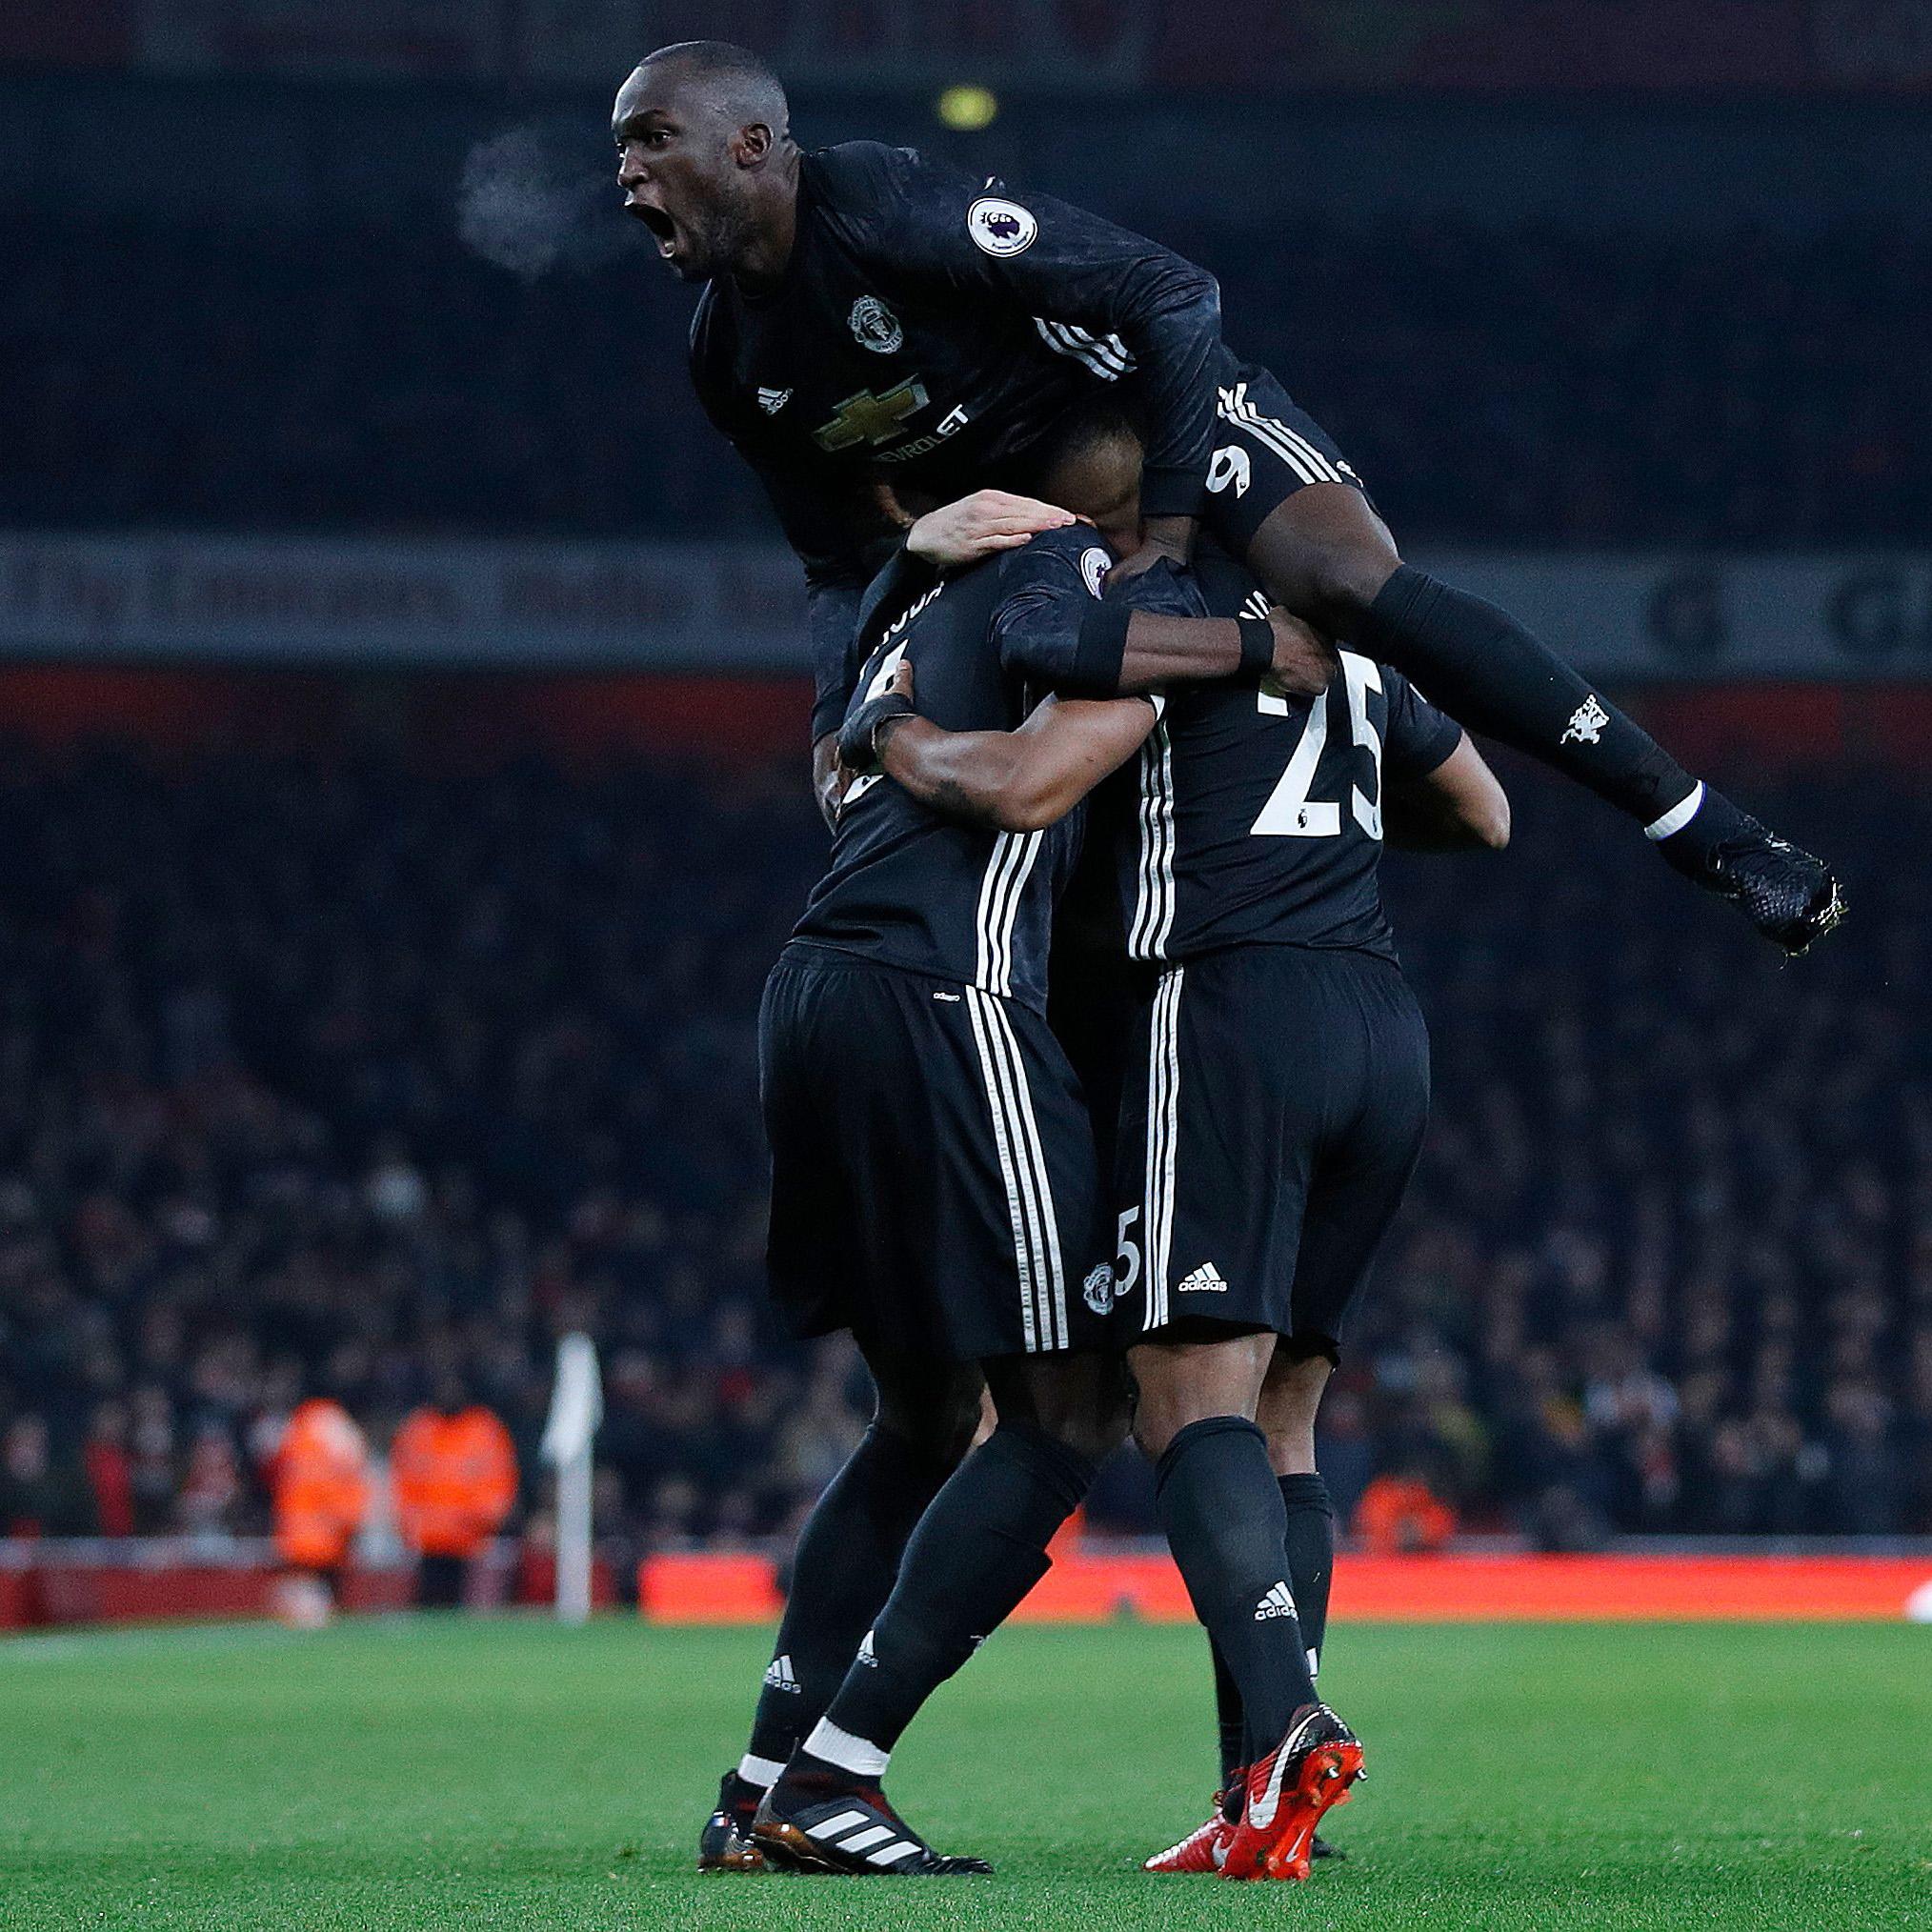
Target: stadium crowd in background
[
  {"x": 363, "y": 1081},
  {"x": 1751, "y": 390}
]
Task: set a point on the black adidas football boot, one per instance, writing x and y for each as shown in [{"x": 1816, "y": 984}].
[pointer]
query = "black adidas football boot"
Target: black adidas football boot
[
  {"x": 1790, "y": 896},
  {"x": 725, "y": 1844},
  {"x": 809, "y": 1824}
]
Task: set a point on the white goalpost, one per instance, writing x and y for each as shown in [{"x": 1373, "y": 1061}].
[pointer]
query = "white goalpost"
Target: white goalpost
[{"x": 576, "y": 1406}]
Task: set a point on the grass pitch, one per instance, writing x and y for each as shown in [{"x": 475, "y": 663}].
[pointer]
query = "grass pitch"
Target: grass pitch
[{"x": 505, "y": 1774}]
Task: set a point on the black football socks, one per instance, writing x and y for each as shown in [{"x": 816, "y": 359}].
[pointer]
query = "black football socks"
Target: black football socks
[
  {"x": 975, "y": 1554},
  {"x": 1221, "y": 1504},
  {"x": 1310, "y": 1550},
  {"x": 1311, "y": 1554},
  {"x": 1493, "y": 676},
  {"x": 847, "y": 1559}
]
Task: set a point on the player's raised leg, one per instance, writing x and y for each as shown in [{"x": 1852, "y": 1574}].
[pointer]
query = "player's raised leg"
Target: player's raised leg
[{"x": 1283, "y": 497}]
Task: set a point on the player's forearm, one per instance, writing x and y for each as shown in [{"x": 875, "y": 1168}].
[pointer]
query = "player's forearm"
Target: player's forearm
[
  {"x": 1163, "y": 651},
  {"x": 1021, "y": 780},
  {"x": 978, "y": 777},
  {"x": 1460, "y": 806},
  {"x": 1171, "y": 319}
]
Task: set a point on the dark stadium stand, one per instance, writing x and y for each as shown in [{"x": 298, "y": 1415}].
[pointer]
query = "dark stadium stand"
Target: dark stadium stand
[
  {"x": 333, "y": 1074},
  {"x": 1751, "y": 390}
]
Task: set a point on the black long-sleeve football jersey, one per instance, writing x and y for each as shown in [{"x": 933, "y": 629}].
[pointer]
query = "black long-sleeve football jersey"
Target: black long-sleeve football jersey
[
  {"x": 1251, "y": 818},
  {"x": 934, "y": 326},
  {"x": 909, "y": 887}
]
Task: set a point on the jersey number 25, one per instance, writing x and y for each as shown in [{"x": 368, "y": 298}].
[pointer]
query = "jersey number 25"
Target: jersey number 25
[{"x": 1290, "y": 813}]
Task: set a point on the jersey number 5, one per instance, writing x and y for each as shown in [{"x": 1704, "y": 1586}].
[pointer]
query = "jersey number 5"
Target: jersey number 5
[{"x": 1290, "y": 813}]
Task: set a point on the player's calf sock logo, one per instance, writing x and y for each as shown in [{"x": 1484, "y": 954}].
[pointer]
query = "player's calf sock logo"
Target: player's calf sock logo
[
  {"x": 1586, "y": 723},
  {"x": 778, "y": 1676},
  {"x": 1279, "y": 1601}
]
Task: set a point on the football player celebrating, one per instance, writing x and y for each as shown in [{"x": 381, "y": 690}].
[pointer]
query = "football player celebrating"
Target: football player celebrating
[{"x": 872, "y": 317}]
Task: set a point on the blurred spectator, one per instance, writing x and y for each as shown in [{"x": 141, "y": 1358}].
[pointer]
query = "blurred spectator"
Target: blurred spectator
[
  {"x": 454, "y": 1471},
  {"x": 39, "y": 1497},
  {"x": 1399, "y": 1514},
  {"x": 109, "y": 1470},
  {"x": 351, "y": 1076},
  {"x": 318, "y": 1474}
]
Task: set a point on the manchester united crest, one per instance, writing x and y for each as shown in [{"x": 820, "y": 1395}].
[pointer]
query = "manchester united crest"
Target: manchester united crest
[{"x": 874, "y": 326}]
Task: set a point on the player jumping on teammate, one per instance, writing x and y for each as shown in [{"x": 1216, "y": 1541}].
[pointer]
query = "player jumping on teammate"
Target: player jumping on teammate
[{"x": 871, "y": 317}]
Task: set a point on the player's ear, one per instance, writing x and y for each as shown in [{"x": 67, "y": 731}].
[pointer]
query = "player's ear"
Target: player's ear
[{"x": 750, "y": 144}]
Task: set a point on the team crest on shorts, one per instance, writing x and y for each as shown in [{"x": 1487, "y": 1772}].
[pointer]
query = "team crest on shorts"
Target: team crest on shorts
[
  {"x": 1231, "y": 466},
  {"x": 874, "y": 326},
  {"x": 999, "y": 227},
  {"x": 1095, "y": 564},
  {"x": 1098, "y": 1290}
]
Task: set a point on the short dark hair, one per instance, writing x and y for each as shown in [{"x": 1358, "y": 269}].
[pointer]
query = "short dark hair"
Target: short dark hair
[{"x": 741, "y": 84}]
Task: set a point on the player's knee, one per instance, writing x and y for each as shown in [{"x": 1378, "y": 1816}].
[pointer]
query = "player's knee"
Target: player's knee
[
  {"x": 1094, "y": 1435},
  {"x": 1346, "y": 574},
  {"x": 1161, "y": 1415},
  {"x": 1325, "y": 555},
  {"x": 1084, "y": 1402},
  {"x": 940, "y": 1421},
  {"x": 1291, "y": 1398}
]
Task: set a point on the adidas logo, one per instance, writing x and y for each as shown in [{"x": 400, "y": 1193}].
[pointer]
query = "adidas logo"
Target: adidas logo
[
  {"x": 1206, "y": 1279},
  {"x": 1277, "y": 1602},
  {"x": 778, "y": 1676},
  {"x": 867, "y": 1655}
]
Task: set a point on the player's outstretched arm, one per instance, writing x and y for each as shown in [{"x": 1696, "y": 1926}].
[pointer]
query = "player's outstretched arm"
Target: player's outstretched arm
[
  {"x": 1019, "y": 780},
  {"x": 1455, "y": 808},
  {"x": 1053, "y": 628},
  {"x": 980, "y": 526}
]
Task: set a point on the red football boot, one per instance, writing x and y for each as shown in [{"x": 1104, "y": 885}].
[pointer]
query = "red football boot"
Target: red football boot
[
  {"x": 1289, "y": 1791},
  {"x": 1205, "y": 1847}
]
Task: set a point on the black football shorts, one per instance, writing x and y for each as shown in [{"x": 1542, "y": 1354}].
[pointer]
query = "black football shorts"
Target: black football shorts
[
  {"x": 933, "y": 1182},
  {"x": 1272, "y": 1114},
  {"x": 1265, "y": 449}
]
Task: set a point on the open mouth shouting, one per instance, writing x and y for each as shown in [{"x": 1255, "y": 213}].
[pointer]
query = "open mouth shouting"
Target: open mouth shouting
[{"x": 661, "y": 224}]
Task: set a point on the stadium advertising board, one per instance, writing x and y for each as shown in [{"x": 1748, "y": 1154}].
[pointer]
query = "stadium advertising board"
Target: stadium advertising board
[{"x": 739, "y": 607}]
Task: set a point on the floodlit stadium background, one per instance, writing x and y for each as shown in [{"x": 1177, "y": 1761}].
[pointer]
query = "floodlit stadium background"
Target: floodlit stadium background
[{"x": 404, "y": 755}]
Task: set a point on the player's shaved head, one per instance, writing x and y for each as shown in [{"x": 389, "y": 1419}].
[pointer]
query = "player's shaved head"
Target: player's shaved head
[
  {"x": 732, "y": 82},
  {"x": 1095, "y": 471},
  {"x": 706, "y": 158}
]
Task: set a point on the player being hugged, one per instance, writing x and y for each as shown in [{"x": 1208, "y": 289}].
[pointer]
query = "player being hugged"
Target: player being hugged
[
  {"x": 1275, "y": 1088},
  {"x": 934, "y": 1183}
]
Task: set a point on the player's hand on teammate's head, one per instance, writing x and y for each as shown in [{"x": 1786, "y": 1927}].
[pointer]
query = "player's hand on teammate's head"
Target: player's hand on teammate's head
[
  {"x": 1304, "y": 660},
  {"x": 982, "y": 524}
]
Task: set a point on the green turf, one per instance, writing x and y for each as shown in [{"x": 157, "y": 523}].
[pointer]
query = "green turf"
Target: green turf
[{"x": 505, "y": 1774}]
